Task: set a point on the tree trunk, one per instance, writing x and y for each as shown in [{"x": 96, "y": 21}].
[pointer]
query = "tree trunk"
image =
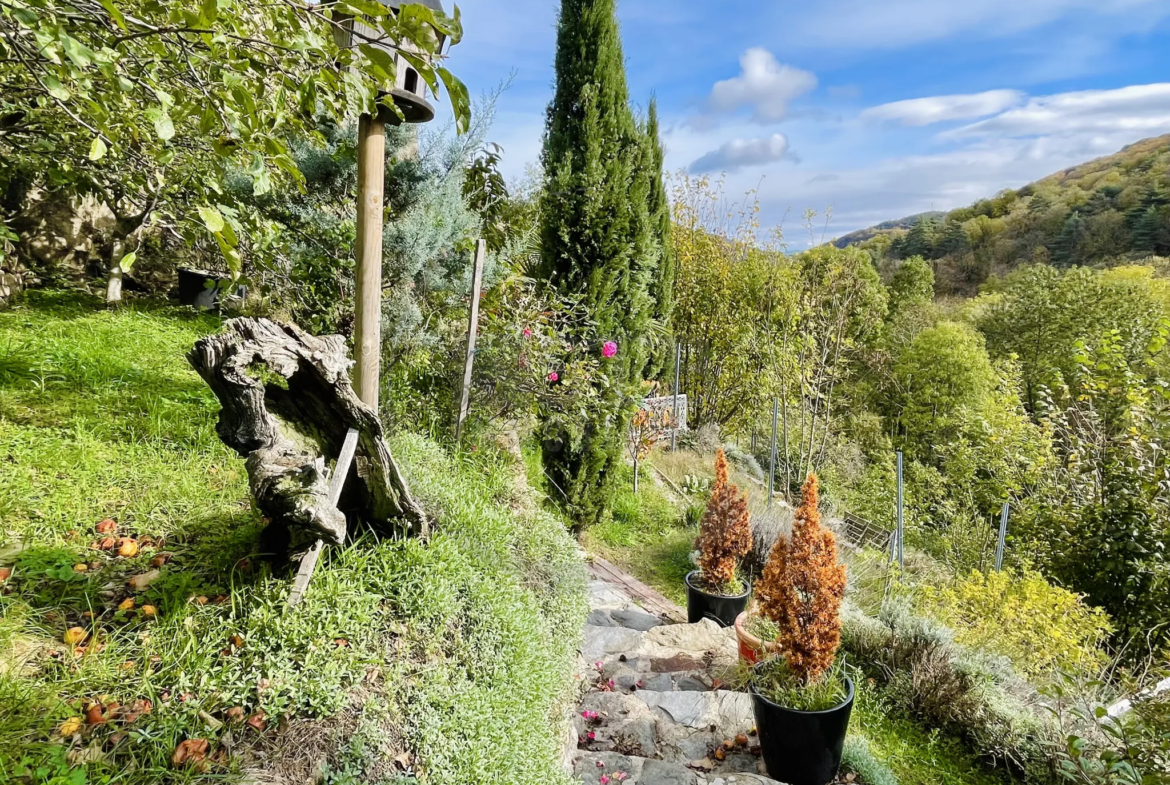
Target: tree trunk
[
  {"x": 287, "y": 404},
  {"x": 114, "y": 283}
]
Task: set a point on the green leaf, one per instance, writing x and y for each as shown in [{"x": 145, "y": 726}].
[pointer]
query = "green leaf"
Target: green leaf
[
  {"x": 363, "y": 7},
  {"x": 114, "y": 13},
  {"x": 82, "y": 56},
  {"x": 164, "y": 127},
  {"x": 56, "y": 89},
  {"x": 97, "y": 150},
  {"x": 212, "y": 219},
  {"x": 460, "y": 102},
  {"x": 128, "y": 261}
]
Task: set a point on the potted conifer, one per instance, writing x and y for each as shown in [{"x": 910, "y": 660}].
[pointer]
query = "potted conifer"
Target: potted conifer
[
  {"x": 716, "y": 590},
  {"x": 801, "y": 697}
]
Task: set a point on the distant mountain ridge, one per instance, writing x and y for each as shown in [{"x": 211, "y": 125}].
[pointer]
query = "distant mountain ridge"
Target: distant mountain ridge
[
  {"x": 1110, "y": 210},
  {"x": 861, "y": 235}
]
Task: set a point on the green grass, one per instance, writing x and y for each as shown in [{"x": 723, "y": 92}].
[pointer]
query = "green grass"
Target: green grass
[
  {"x": 914, "y": 754},
  {"x": 456, "y": 651},
  {"x": 648, "y": 535}
]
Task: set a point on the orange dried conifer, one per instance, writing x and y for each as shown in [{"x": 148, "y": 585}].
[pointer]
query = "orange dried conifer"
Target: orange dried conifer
[
  {"x": 802, "y": 589},
  {"x": 725, "y": 531}
]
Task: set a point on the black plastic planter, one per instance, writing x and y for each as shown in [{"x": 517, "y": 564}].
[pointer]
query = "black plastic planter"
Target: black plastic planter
[
  {"x": 716, "y": 607},
  {"x": 802, "y": 747}
]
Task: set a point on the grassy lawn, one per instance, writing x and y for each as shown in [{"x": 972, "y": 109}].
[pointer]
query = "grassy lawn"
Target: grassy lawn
[{"x": 448, "y": 657}]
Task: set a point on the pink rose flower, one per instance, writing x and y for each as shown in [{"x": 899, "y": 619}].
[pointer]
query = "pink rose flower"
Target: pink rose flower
[
  {"x": 609, "y": 349},
  {"x": 554, "y": 377},
  {"x": 527, "y": 332}
]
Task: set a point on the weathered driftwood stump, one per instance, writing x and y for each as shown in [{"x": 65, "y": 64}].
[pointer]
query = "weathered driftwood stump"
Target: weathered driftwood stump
[{"x": 287, "y": 406}]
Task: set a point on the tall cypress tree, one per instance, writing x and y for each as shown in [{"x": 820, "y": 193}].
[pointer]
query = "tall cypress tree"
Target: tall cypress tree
[
  {"x": 596, "y": 237},
  {"x": 662, "y": 284}
]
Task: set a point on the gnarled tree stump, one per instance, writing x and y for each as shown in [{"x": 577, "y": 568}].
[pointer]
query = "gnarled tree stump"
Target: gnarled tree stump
[{"x": 287, "y": 405}]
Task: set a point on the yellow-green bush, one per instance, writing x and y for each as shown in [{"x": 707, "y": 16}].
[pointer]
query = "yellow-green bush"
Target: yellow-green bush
[{"x": 1042, "y": 628}]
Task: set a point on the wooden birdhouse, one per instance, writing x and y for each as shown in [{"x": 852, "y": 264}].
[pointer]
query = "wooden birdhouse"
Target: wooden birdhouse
[{"x": 410, "y": 90}]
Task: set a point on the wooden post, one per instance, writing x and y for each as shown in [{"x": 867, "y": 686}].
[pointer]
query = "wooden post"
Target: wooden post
[
  {"x": 367, "y": 337},
  {"x": 472, "y": 333}
]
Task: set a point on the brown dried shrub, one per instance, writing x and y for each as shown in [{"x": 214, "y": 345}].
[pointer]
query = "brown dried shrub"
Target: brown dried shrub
[
  {"x": 802, "y": 589},
  {"x": 725, "y": 532}
]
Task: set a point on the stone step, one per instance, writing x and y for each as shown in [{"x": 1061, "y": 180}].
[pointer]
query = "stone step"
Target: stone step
[
  {"x": 704, "y": 641},
  {"x": 631, "y": 618},
  {"x": 677, "y": 727},
  {"x": 590, "y": 767}
]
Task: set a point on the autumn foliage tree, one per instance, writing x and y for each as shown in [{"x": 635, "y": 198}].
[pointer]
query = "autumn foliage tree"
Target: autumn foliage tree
[
  {"x": 726, "y": 533},
  {"x": 802, "y": 590}
]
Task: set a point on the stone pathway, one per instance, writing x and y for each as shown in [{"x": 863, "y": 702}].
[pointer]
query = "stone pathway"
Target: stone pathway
[{"x": 654, "y": 711}]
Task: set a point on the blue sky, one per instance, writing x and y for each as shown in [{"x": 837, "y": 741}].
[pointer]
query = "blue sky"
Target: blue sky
[{"x": 879, "y": 108}]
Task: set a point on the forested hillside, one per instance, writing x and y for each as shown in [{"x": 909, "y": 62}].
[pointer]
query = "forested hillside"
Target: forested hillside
[{"x": 1112, "y": 209}]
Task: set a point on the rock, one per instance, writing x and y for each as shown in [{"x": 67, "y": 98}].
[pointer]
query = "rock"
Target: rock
[
  {"x": 627, "y": 680},
  {"x": 614, "y": 706},
  {"x": 730, "y": 712},
  {"x": 692, "y": 709},
  {"x": 660, "y": 683},
  {"x": 691, "y": 684},
  {"x": 600, "y": 618},
  {"x": 657, "y": 772},
  {"x": 586, "y": 770},
  {"x": 679, "y": 743},
  {"x": 635, "y": 737},
  {"x": 602, "y": 595},
  {"x": 602, "y": 641},
  {"x": 679, "y": 662},
  {"x": 695, "y": 639},
  {"x": 636, "y": 619}
]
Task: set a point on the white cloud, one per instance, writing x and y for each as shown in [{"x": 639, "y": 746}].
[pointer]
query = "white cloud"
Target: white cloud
[
  {"x": 1128, "y": 111},
  {"x": 743, "y": 153},
  {"x": 766, "y": 85},
  {"x": 892, "y": 24},
  {"x": 939, "y": 108}
]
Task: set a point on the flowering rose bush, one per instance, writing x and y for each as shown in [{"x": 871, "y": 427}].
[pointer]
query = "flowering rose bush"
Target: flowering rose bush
[{"x": 524, "y": 364}]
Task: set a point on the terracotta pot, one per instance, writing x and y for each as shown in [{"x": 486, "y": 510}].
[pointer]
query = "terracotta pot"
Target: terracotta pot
[{"x": 752, "y": 649}]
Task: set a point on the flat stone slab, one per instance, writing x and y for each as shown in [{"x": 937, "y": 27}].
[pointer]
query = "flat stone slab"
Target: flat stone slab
[
  {"x": 659, "y": 772},
  {"x": 603, "y": 595},
  {"x": 586, "y": 770},
  {"x": 602, "y": 642},
  {"x": 730, "y": 712},
  {"x": 705, "y": 636},
  {"x": 631, "y": 618}
]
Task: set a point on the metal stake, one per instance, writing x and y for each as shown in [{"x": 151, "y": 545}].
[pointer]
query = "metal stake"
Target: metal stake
[
  {"x": 772, "y": 454},
  {"x": 1003, "y": 521},
  {"x": 677, "y": 363},
  {"x": 901, "y": 532}
]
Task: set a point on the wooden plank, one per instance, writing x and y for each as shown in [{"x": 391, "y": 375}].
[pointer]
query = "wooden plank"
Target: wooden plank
[
  {"x": 472, "y": 333},
  {"x": 336, "y": 484},
  {"x": 638, "y": 592}
]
